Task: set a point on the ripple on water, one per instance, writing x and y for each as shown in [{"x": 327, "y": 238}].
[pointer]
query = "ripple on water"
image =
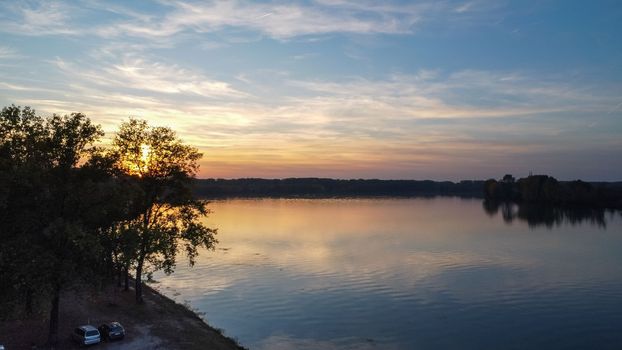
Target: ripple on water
[{"x": 433, "y": 279}]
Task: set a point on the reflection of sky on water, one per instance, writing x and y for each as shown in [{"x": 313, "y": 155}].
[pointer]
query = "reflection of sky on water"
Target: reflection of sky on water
[{"x": 401, "y": 273}]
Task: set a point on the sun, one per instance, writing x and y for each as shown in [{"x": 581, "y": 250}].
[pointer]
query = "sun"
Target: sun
[
  {"x": 145, "y": 151},
  {"x": 137, "y": 163}
]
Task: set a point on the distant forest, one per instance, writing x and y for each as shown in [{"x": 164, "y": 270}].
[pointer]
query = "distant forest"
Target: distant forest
[
  {"x": 321, "y": 187},
  {"x": 546, "y": 189},
  {"x": 537, "y": 188}
]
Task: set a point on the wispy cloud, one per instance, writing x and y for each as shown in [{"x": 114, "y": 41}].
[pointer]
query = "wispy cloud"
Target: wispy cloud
[
  {"x": 39, "y": 18},
  {"x": 464, "y": 94},
  {"x": 272, "y": 88},
  {"x": 287, "y": 20},
  {"x": 139, "y": 74},
  {"x": 279, "y": 20},
  {"x": 8, "y": 53},
  {"x": 13, "y": 87},
  {"x": 332, "y": 125}
]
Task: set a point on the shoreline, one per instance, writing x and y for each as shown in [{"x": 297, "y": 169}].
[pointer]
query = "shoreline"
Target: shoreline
[
  {"x": 160, "y": 323},
  {"x": 183, "y": 310}
]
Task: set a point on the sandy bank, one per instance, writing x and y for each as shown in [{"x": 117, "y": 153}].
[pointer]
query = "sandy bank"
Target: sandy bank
[{"x": 158, "y": 324}]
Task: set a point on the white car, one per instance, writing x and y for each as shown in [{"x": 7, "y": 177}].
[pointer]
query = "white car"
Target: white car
[{"x": 86, "y": 335}]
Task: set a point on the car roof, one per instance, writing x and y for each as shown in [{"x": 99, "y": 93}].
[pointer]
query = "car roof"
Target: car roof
[{"x": 87, "y": 327}]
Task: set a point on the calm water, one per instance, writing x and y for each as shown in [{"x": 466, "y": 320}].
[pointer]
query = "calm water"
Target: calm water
[{"x": 408, "y": 274}]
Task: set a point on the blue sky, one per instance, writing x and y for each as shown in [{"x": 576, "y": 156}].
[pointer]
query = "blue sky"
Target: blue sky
[{"x": 337, "y": 88}]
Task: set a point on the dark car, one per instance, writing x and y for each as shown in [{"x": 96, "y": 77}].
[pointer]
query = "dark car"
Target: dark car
[{"x": 112, "y": 331}]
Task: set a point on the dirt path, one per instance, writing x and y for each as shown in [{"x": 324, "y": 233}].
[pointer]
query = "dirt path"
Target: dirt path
[{"x": 158, "y": 324}]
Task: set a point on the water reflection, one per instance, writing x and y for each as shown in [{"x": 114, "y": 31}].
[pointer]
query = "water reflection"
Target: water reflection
[
  {"x": 536, "y": 214},
  {"x": 404, "y": 274}
]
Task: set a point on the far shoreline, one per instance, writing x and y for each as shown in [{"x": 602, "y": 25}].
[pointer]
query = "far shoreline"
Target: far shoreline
[{"x": 574, "y": 193}]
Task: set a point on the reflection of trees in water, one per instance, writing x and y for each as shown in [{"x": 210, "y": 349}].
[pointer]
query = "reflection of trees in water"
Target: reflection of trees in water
[{"x": 537, "y": 214}]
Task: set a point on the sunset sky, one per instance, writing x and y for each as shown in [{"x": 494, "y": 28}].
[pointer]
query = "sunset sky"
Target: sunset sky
[{"x": 443, "y": 90}]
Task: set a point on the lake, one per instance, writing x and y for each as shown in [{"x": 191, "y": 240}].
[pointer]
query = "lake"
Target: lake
[{"x": 416, "y": 273}]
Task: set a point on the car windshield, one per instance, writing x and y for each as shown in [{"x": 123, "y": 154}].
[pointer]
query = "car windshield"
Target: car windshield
[
  {"x": 92, "y": 333},
  {"x": 115, "y": 328}
]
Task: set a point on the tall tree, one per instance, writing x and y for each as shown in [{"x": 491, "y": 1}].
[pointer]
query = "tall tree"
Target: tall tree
[
  {"x": 164, "y": 168},
  {"x": 54, "y": 203},
  {"x": 22, "y": 137}
]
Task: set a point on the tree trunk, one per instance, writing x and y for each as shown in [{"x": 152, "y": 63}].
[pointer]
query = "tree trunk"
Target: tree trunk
[
  {"x": 53, "y": 334},
  {"x": 126, "y": 276},
  {"x": 29, "y": 301},
  {"x": 120, "y": 274},
  {"x": 138, "y": 284}
]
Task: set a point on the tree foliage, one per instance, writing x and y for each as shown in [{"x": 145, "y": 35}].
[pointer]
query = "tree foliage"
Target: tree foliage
[
  {"x": 323, "y": 188},
  {"x": 547, "y": 189},
  {"x": 164, "y": 169},
  {"x": 71, "y": 212},
  {"x": 51, "y": 204}
]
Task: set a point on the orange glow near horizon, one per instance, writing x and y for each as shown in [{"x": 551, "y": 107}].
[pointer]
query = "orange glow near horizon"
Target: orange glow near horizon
[
  {"x": 353, "y": 159},
  {"x": 332, "y": 89}
]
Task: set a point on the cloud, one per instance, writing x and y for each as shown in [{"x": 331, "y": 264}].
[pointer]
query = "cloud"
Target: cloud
[
  {"x": 280, "y": 20},
  {"x": 271, "y": 123},
  {"x": 277, "y": 20},
  {"x": 159, "y": 77},
  {"x": 463, "y": 94},
  {"x": 139, "y": 74},
  {"x": 39, "y": 18},
  {"x": 13, "y": 87},
  {"x": 8, "y": 53}
]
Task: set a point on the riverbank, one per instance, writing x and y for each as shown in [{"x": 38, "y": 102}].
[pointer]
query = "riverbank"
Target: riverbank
[{"x": 158, "y": 324}]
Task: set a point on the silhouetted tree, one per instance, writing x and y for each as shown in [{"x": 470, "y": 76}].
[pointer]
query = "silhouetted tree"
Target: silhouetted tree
[
  {"x": 546, "y": 189},
  {"x": 164, "y": 169},
  {"x": 508, "y": 178},
  {"x": 72, "y": 212},
  {"x": 53, "y": 205},
  {"x": 321, "y": 187}
]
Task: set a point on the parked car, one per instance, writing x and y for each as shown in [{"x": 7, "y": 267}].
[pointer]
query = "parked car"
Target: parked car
[
  {"x": 112, "y": 331},
  {"x": 86, "y": 335}
]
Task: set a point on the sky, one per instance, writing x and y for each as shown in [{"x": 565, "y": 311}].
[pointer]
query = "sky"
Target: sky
[{"x": 443, "y": 90}]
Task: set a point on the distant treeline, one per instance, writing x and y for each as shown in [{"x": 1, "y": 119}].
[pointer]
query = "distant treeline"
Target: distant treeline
[
  {"x": 548, "y": 190},
  {"x": 321, "y": 187}
]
